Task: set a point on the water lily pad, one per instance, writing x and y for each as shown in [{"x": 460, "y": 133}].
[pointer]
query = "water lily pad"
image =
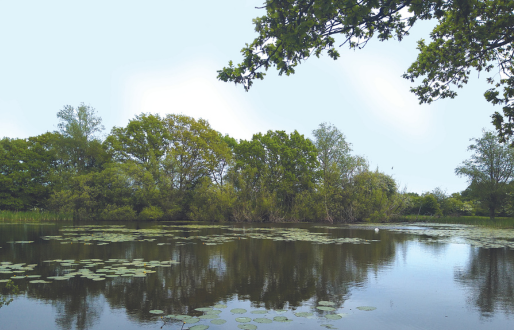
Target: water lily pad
[
  {"x": 218, "y": 321},
  {"x": 181, "y": 317},
  {"x": 366, "y": 308},
  {"x": 209, "y": 316},
  {"x": 326, "y": 303},
  {"x": 238, "y": 311},
  {"x": 326, "y": 308},
  {"x": 4, "y": 281},
  {"x": 247, "y": 326},
  {"x": 214, "y": 312},
  {"x": 333, "y": 317},
  {"x": 192, "y": 320},
  {"x": 328, "y": 326},
  {"x": 199, "y": 327},
  {"x": 281, "y": 319},
  {"x": 60, "y": 278},
  {"x": 156, "y": 311},
  {"x": 260, "y": 311},
  {"x": 243, "y": 319},
  {"x": 203, "y": 309},
  {"x": 220, "y": 306},
  {"x": 262, "y": 320},
  {"x": 303, "y": 314}
]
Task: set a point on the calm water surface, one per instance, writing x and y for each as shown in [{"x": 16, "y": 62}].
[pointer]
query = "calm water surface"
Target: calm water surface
[{"x": 413, "y": 282}]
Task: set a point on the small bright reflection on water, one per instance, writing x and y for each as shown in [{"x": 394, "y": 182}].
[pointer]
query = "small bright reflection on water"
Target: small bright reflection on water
[{"x": 414, "y": 283}]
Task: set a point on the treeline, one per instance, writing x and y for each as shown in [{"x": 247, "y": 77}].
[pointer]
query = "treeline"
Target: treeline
[
  {"x": 469, "y": 202},
  {"x": 178, "y": 168},
  {"x": 490, "y": 174}
]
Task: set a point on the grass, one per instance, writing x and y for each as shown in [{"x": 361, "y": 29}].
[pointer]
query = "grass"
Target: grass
[
  {"x": 498, "y": 222},
  {"x": 18, "y": 216}
]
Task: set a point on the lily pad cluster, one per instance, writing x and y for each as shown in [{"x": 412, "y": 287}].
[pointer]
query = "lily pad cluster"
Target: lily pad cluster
[
  {"x": 475, "y": 236},
  {"x": 103, "y": 235},
  {"x": 16, "y": 271},
  {"x": 93, "y": 269},
  {"x": 297, "y": 234},
  {"x": 209, "y": 314},
  {"x": 245, "y": 320}
]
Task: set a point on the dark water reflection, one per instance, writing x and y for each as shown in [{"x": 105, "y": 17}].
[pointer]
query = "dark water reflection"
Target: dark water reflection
[
  {"x": 412, "y": 282},
  {"x": 489, "y": 277}
]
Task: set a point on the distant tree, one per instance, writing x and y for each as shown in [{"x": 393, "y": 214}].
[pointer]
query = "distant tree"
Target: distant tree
[
  {"x": 337, "y": 167},
  {"x": 143, "y": 140},
  {"x": 27, "y": 171},
  {"x": 489, "y": 170},
  {"x": 80, "y": 146},
  {"x": 430, "y": 205},
  {"x": 375, "y": 197},
  {"x": 81, "y": 123},
  {"x": 195, "y": 150},
  {"x": 272, "y": 170}
]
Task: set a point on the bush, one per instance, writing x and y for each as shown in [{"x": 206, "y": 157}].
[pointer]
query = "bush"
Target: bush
[
  {"x": 114, "y": 212},
  {"x": 151, "y": 213}
]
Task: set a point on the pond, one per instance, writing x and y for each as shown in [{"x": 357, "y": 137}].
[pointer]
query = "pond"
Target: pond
[{"x": 255, "y": 276}]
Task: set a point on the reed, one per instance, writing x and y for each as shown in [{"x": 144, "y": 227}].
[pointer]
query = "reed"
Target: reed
[{"x": 36, "y": 215}]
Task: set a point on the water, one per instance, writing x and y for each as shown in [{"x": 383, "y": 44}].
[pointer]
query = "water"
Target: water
[{"x": 412, "y": 281}]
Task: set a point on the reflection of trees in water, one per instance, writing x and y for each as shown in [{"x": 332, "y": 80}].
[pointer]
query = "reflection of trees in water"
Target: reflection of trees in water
[
  {"x": 489, "y": 276},
  {"x": 436, "y": 248},
  {"x": 78, "y": 313},
  {"x": 271, "y": 274},
  {"x": 78, "y": 305}
]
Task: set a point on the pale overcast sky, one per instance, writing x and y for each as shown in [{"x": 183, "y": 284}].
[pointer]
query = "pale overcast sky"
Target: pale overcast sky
[{"x": 128, "y": 57}]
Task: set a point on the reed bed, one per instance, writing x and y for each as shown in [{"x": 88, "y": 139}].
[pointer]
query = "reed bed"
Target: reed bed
[{"x": 19, "y": 216}]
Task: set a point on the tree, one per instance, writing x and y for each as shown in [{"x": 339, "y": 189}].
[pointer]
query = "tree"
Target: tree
[
  {"x": 195, "y": 151},
  {"x": 375, "y": 197},
  {"x": 27, "y": 168},
  {"x": 489, "y": 170},
  {"x": 144, "y": 139},
  {"x": 271, "y": 170},
  {"x": 470, "y": 34},
  {"x": 337, "y": 167},
  {"x": 80, "y": 146}
]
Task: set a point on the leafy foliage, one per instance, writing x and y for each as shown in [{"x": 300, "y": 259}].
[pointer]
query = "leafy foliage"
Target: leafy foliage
[
  {"x": 470, "y": 35},
  {"x": 27, "y": 170},
  {"x": 79, "y": 147},
  {"x": 176, "y": 167},
  {"x": 489, "y": 170}
]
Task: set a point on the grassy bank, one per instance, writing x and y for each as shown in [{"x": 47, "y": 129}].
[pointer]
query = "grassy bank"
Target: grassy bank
[
  {"x": 12, "y": 216},
  {"x": 498, "y": 222}
]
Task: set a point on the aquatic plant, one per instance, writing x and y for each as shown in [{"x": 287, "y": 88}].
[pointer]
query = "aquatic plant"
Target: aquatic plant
[{"x": 6, "y": 293}]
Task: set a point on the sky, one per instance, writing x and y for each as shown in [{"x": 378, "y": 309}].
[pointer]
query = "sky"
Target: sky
[{"x": 161, "y": 56}]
